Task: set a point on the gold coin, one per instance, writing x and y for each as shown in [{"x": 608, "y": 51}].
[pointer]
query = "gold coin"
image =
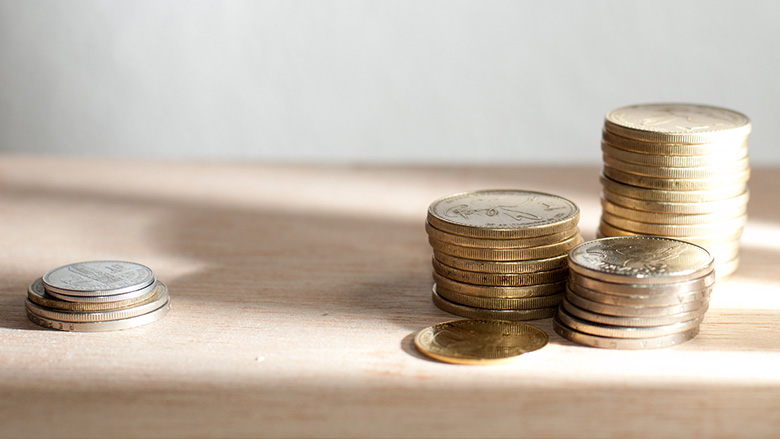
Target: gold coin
[
  {"x": 491, "y": 314},
  {"x": 724, "y": 270},
  {"x": 677, "y": 196},
  {"x": 738, "y": 203},
  {"x": 466, "y": 241},
  {"x": 622, "y": 343},
  {"x": 727, "y": 156},
  {"x": 676, "y": 289},
  {"x": 671, "y": 218},
  {"x": 500, "y": 280},
  {"x": 632, "y": 311},
  {"x": 479, "y": 342},
  {"x": 608, "y": 230},
  {"x": 529, "y": 266},
  {"x": 499, "y": 292},
  {"x": 500, "y": 302},
  {"x": 507, "y": 254},
  {"x": 673, "y": 230},
  {"x": 640, "y": 260},
  {"x": 677, "y": 123},
  {"x": 736, "y": 147},
  {"x": 679, "y": 184},
  {"x": 625, "y": 331},
  {"x": 37, "y": 294},
  {"x": 498, "y": 214},
  {"x": 649, "y": 300},
  {"x": 698, "y": 172}
]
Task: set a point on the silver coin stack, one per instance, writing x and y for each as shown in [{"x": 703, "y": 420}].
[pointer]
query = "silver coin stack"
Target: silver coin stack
[
  {"x": 97, "y": 296},
  {"x": 635, "y": 292}
]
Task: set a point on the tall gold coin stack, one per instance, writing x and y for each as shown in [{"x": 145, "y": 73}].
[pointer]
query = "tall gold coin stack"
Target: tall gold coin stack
[
  {"x": 677, "y": 171},
  {"x": 635, "y": 292},
  {"x": 501, "y": 254}
]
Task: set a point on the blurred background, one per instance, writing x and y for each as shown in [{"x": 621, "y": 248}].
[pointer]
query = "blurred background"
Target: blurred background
[{"x": 410, "y": 82}]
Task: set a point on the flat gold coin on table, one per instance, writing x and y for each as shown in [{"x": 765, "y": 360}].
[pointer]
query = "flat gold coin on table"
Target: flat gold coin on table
[{"x": 479, "y": 342}]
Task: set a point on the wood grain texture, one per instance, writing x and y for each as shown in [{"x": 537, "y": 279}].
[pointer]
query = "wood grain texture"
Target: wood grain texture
[{"x": 296, "y": 293}]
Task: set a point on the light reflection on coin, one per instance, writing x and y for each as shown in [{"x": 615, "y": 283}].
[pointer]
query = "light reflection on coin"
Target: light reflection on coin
[{"x": 98, "y": 278}]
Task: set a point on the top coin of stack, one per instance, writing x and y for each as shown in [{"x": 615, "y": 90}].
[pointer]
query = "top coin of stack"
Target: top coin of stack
[
  {"x": 97, "y": 296},
  {"x": 501, "y": 254},
  {"x": 677, "y": 171}
]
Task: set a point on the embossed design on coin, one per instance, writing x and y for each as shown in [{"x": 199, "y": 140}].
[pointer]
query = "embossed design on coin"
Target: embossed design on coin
[
  {"x": 479, "y": 341},
  {"x": 98, "y": 278},
  {"x": 677, "y": 118}
]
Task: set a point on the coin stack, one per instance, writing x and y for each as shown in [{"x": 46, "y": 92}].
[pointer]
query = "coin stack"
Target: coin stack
[
  {"x": 635, "y": 292},
  {"x": 501, "y": 254},
  {"x": 97, "y": 296},
  {"x": 678, "y": 171}
]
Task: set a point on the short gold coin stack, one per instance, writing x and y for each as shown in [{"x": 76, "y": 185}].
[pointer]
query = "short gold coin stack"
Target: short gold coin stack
[
  {"x": 677, "y": 171},
  {"x": 501, "y": 254},
  {"x": 635, "y": 292},
  {"x": 97, "y": 296}
]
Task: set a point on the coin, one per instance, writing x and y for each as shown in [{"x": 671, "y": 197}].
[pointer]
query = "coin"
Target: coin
[
  {"x": 738, "y": 203},
  {"x": 466, "y": 241},
  {"x": 503, "y": 214},
  {"x": 500, "y": 302},
  {"x": 671, "y": 218},
  {"x": 649, "y": 194},
  {"x": 156, "y": 301},
  {"x": 112, "y": 325},
  {"x": 637, "y": 300},
  {"x": 702, "y": 172},
  {"x": 622, "y": 343},
  {"x": 632, "y": 311},
  {"x": 673, "y": 230},
  {"x": 38, "y": 295},
  {"x": 715, "y": 239},
  {"x": 640, "y": 260},
  {"x": 500, "y": 280},
  {"x": 624, "y": 331},
  {"x": 726, "y": 147},
  {"x": 650, "y": 159},
  {"x": 500, "y": 292},
  {"x": 633, "y": 322},
  {"x": 98, "y": 278},
  {"x": 677, "y": 123},
  {"x": 124, "y": 297},
  {"x": 680, "y": 184},
  {"x": 507, "y": 254},
  {"x": 507, "y": 267},
  {"x": 479, "y": 341},
  {"x": 491, "y": 314},
  {"x": 630, "y": 289},
  {"x": 725, "y": 269}
]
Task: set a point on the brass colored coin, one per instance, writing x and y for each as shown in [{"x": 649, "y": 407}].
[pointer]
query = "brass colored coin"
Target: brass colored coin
[
  {"x": 500, "y": 280},
  {"x": 676, "y": 196},
  {"x": 644, "y": 290},
  {"x": 633, "y": 311},
  {"x": 491, "y": 314},
  {"x": 519, "y": 267},
  {"x": 622, "y": 343},
  {"x": 38, "y": 295},
  {"x": 467, "y": 241},
  {"x": 498, "y": 214},
  {"x": 624, "y": 331},
  {"x": 650, "y": 300},
  {"x": 723, "y": 226},
  {"x": 715, "y": 239},
  {"x": 722, "y": 157},
  {"x": 724, "y": 270},
  {"x": 499, "y": 292},
  {"x": 511, "y": 254},
  {"x": 679, "y": 184},
  {"x": 677, "y": 123},
  {"x": 640, "y": 260},
  {"x": 738, "y": 203},
  {"x": 159, "y": 299},
  {"x": 730, "y": 168},
  {"x": 113, "y": 325},
  {"x": 631, "y": 321},
  {"x": 671, "y": 218},
  {"x": 731, "y": 146},
  {"x": 479, "y": 342},
  {"x": 500, "y": 302}
]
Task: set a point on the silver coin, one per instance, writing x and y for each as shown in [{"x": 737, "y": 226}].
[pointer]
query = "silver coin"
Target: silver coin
[
  {"x": 632, "y": 311},
  {"x": 37, "y": 294},
  {"x": 105, "y": 299},
  {"x": 159, "y": 299},
  {"x": 113, "y": 325},
  {"x": 631, "y": 321},
  {"x": 638, "y": 300},
  {"x": 624, "y": 289},
  {"x": 602, "y": 330},
  {"x": 98, "y": 278},
  {"x": 622, "y": 343}
]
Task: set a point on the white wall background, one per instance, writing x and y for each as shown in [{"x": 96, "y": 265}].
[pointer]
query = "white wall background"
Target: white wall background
[{"x": 392, "y": 81}]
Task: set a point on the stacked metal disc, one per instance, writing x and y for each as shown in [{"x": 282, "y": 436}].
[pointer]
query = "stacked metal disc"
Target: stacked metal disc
[
  {"x": 678, "y": 171},
  {"x": 635, "y": 292},
  {"x": 501, "y": 254},
  {"x": 97, "y": 296}
]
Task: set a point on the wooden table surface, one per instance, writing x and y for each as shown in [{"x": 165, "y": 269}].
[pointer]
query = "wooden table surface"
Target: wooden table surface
[{"x": 296, "y": 294}]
